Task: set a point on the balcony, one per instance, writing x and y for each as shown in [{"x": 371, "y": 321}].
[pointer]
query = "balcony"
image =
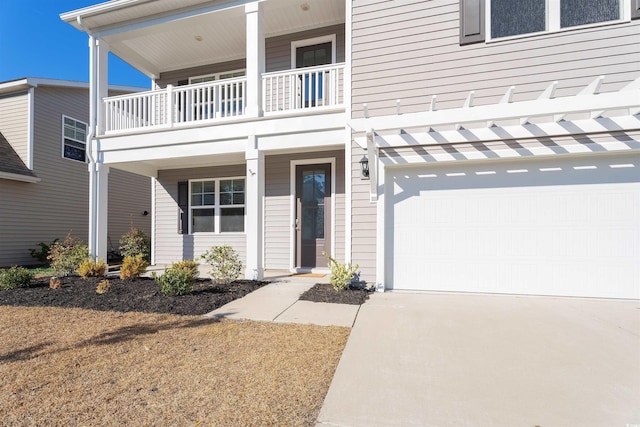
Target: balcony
[{"x": 299, "y": 91}]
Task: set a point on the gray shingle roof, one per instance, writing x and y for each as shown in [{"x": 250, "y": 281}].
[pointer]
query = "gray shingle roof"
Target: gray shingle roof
[{"x": 10, "y": 162}]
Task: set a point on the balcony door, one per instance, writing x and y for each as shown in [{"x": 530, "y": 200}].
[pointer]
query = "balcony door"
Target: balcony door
[
  {"x": 313, "y": 215},
  {"x": 312, "y": 53}
]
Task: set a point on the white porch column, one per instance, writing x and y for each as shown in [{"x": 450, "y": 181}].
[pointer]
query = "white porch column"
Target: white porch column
[
  {"x": 98, "y": 172},
  {"x": 254, "y": 196},
  {"x": 255, "y": 59}
]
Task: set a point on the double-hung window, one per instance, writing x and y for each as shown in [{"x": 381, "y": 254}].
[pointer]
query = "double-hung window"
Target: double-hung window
[
  {"x": 510, "y": 18},
  {"x": 74, "y": 139},
  {"x": 217, "y": 205}
]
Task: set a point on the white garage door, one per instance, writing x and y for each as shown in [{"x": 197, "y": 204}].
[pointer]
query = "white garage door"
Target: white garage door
[{"x": 542, "y": 227}]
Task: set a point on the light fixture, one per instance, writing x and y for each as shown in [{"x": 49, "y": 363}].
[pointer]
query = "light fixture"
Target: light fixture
[
  {"x": 364, "y": 167},
  {"x": 198, "y": 38},
  {"x": 305, "y": 7}
]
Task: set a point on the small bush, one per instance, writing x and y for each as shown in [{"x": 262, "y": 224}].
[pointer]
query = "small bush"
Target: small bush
[
  {"x": 133, "y": 267},
  {"x": 15, "y": 277},
  {"x": 188, "y": 265},
  {"x": 135, "y": 242},
  {"x": 341, "y": 274},
  {"x": 103, "y": 287},
  {"x": 42, "y": 254},
  {"x": 91, "y": 268},
  {"x": 225, "y": 264},
  {"x": 66, "y": 257},
  {"x": 179, "y": 279}
]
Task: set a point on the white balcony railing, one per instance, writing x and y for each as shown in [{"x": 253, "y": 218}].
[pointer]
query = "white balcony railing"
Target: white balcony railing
[
  {"x": 303, "y": 88},
  {"x": 174, "y": 105},
  {"x": 283, "y": 91}
]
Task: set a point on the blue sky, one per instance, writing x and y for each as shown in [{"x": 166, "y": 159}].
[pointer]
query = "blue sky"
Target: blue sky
[{"x": 35, "y": 42}]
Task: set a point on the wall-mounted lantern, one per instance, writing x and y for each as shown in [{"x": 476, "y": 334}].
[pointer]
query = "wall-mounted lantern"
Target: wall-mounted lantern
[{"x": 364, "y": 167}]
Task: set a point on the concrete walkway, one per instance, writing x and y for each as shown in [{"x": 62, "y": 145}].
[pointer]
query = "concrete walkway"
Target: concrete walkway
[
  {"x": 278, "y": 302},
  {"x": 488, "y": 360}
]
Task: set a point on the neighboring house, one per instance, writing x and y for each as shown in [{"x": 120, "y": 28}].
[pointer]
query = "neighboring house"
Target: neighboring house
[
  {"x": 497, "y": 159},
  {"x": 44, "y": 179}
]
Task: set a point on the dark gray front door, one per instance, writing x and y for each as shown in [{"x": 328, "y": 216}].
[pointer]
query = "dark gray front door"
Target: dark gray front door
[{"x": 313, "y": 215}]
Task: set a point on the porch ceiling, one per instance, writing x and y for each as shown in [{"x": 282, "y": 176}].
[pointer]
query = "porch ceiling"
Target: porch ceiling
[{"x": 163, "y": 35}]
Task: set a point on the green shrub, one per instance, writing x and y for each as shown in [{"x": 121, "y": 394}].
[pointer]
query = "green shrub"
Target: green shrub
[
  {"x": 179, "y": 279},
  {"x": 91, "y": 268},
  {"x": 341, "y": 274},
  {"x": 66, "y": 257},
  {"x": 135, "y": 242},
  {"x": 42, "y": 254},
  {"x": 15, "y": 277},
  {"x": 225, "y": 264},
  {"x": 133, "y": 267}
]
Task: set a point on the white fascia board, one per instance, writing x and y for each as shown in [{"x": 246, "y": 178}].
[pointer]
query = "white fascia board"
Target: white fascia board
[
  {"x": 220, "y": 132},
  {"x": 18, "y": 177},
  {"x": 496, "y": 112},
  {"x": 31, "y": 82}
]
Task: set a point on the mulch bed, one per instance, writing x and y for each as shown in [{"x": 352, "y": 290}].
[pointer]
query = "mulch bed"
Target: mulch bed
[
  {"x": 324, "y": 292},
  {"x": 139, "y": 295}
]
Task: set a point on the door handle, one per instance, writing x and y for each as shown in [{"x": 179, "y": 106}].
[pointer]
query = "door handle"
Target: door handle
[{"x": 296, "y": 224}]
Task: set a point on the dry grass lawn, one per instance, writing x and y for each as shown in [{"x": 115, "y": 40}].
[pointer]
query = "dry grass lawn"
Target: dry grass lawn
[{"x": 66, "y": 367}]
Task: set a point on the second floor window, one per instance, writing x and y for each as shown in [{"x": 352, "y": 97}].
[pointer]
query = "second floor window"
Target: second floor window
[
  {"x": 510, "y": 18},
  {"x": 74, "y": 139}
]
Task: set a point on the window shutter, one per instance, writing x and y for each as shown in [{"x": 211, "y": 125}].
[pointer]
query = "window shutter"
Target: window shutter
[
  {"x": 472, "y": 21},
  {"x": 183, "y": 207},
  {"x": 635, "y": 9}
]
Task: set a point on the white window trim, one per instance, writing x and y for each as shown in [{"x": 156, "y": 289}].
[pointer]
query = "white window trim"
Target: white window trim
[
  {"x": 552, "y": 21},
  {"x": 292, "y": 204},
  {"x": 216, "y": 207},
  {"x": 310, "y": 42},
  {"x": 76, "y": 140},
  {"x": 216, "y": 76}
]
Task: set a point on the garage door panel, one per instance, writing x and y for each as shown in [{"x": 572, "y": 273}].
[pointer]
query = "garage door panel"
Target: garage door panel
[{"x": 542, "y": 232}]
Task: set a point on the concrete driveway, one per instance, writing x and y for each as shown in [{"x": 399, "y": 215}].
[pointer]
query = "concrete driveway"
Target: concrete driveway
[{"x": 488, "y": 360}]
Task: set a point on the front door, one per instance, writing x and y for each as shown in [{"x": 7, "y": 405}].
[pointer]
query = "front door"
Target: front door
[
  {"x": 311, "y": 84},
  {"x": 313, "y": 215}
]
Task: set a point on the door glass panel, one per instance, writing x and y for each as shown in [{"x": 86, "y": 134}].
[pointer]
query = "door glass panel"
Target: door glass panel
[
  {"x": 317, "y": 54},
  {"x": 313, "y": 194}
]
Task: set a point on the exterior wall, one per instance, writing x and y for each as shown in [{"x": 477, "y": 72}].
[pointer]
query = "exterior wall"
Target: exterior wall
[
  {"x": 278, "y": 49},
  {"x": 363, "y": 219},
  {"x": 419, "y": 42},
  {"x": 14, "y": 123},
  {"x": 277, "y": 217},
  {"x": 173, "y": 77},
  {"x": 277, "y": 52},
  {"x": 59, "y": 203},
  {"x": 171, "y": 246}
]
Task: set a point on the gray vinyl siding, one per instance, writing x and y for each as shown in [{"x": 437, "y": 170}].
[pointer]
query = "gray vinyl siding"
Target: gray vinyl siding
[
  {"x": 14, "y": 123},
  {"x": 170, "y": 246},
  {"x": 419, "y": 44},
  {"x": 278, "y": 49},
  {"x": 59, "y": 203},
  {"x": 363, "y": 220},
  {"x": 277, "y": 209},
  {"x": 173, "y": 77}
]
